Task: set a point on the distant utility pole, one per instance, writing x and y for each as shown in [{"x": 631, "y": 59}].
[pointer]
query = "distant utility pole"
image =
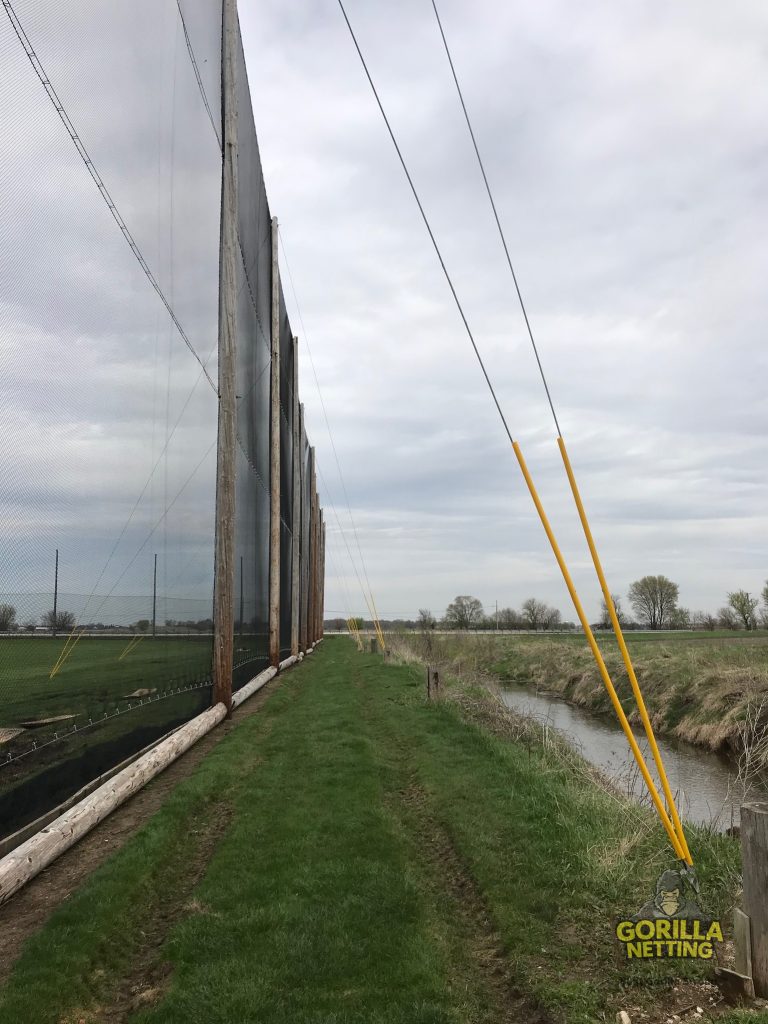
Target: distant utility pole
[
  {"x": 497, "y": 615},
  {"x": 154, "y": 599},
  {"x": 55, "y": 591}
]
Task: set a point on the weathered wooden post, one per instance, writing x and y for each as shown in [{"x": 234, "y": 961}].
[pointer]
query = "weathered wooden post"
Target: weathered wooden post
[
  {"x": 304, "y": 607},
  {"x": 754, "y": 857},
  {"x": 224, "y": 558},
  {"x": 296, "y": 512},
  {"x": 321, "y": 579},
  {"x": 374, "y": 645},
  {"x": 274, "y": 463},
  {"x": 433, "y": 683},
  {"x": 312, "y": 611}
]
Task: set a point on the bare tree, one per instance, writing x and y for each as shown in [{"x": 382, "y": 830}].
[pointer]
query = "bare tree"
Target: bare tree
[
  {"x": 726, "y": 618},
  {"x": 605, "y": 617},
  {"x": 680, "y": 618},
  {"x": 552, "y": 618},
  {"x": 745, "y": 608},
  {"x": 534, "y": 613},
  {"x": 464, "y": 612},
  {"x": 653, "y": 598},
  {"x": 510, "y": 618},
  {"x": 58, "y": 620},
  {"x": 7, "y": 618},
  {"x": 427, "y": 620}
]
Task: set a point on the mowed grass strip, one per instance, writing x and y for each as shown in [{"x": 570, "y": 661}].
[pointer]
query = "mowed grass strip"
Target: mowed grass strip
[
  {"x": 309, "y": 909},
  {"x": 384, "y": 860}
]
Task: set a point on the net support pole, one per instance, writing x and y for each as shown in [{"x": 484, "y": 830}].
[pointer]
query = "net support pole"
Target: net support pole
[
  {"x": 224, "y": 568},
  {"x": 608, "y": 598},
  {"x": 304, "y": 606},
  {"x": 312, "y": 550},
  {"x": 296, "y": 511},
  {"x": 597, "y": 655},
  {"x": 322, "y": 582},
  {"x": 274, "y": 463}
]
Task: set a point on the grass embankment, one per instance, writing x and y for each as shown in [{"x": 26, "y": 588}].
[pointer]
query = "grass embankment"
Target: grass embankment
[
  {"x": 696, "y": 687},
  {"x": 353, "y": 854}
]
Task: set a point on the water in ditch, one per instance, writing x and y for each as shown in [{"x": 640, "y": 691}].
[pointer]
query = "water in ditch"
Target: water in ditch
[{"x": 704, "y": 783}]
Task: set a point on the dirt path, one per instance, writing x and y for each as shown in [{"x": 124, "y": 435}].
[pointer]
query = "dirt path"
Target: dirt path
[{"x": 31, "y": 907}]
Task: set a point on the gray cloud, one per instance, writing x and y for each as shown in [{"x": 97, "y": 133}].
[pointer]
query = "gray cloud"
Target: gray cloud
[{"x": 627, "y": 152}]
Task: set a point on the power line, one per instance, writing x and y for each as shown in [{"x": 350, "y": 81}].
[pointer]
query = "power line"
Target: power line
[
  {"x": 99, "y": 181},
  {"x": 496, "y": 217},
  {"x": 428, "y": 227}
]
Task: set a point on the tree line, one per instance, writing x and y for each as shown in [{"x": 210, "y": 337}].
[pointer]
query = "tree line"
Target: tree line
[{"x": 654, "y": 601}]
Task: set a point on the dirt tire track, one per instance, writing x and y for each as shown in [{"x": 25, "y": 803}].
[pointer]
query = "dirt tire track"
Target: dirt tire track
[
  {"x": 449, "y": 872},
  {"x": 32, "y": 906}
]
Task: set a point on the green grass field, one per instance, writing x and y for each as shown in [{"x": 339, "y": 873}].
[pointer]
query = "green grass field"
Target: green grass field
[
  {"x": 94, "y": 677},
  {"x": 354, "y": 854}
]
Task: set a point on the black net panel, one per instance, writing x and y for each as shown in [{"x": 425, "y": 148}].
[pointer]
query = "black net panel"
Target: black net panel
[
  {"x": 108, "y": 371},
  {"x": 108, "y": 418},
  {"x": 254, "y": 420}
]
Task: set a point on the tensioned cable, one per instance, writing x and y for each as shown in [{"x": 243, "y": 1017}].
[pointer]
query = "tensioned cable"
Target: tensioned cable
[
  {"x": 616, "y": 625},
  {"x": 498, "y": 222},
  {"x": 675, "y": 835},
  {"x": 305, "y": 337},
  {"x": 427, "y": 225},
  {"x": 99, "y": 181},
  {"x": 198, "y": 76}
]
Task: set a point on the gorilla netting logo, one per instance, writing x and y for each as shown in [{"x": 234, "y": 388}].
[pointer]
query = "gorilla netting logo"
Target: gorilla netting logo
[{"x": 670, "y": 924}]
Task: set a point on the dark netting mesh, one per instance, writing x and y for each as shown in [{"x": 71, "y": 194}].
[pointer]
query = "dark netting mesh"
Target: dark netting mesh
[{"x": 110, "y": 227}]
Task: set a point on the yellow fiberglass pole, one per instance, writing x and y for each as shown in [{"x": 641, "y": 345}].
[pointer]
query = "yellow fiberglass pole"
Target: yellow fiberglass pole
[
  {"x": 62, "y": 656},
  {"x": 624, "y": 652},
  {"x": 664, "y": 817}
]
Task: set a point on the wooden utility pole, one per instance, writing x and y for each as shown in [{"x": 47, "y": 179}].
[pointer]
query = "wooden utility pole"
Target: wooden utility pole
[
  {"x": 322, "y": 580},
  {"x": 311, "y": 605},
  {"x": 296, "y": 512},
  {"x": 304, "y": 607},
  {"x": 224, "y": 568},
  {"x": 754, "y": 859},
  {"x": 274, "y": 464}
]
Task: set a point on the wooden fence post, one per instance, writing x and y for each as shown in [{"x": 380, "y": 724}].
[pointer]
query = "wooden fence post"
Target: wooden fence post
[
  {"x": 754, "y": 858},
  {"x": 296, "y": 512},
  {"x": 274, "y": 463},
  {"x": 433, "y": 683},
  {"x": 224, "y": 558}
]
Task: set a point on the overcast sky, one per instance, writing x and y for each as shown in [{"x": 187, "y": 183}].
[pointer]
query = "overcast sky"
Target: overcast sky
[
  {"x": 626, "y": 145},
  {"x": 627, "y": 148}
]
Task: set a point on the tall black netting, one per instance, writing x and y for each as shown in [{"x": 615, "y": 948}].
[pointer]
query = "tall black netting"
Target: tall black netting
[{"x": 110, "y": 204}]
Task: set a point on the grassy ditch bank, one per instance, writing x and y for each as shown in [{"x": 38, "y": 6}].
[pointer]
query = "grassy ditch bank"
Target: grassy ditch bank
[
  {"x": 355, "y": 854},
  {"x": 712, "y": 692}
]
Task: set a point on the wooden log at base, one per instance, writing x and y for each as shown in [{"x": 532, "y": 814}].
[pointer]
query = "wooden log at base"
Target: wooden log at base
[
  {"x": 253, "y": 686},
  {"x": 22, "y": 864},
  {"x": 27, "y": 860}
]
